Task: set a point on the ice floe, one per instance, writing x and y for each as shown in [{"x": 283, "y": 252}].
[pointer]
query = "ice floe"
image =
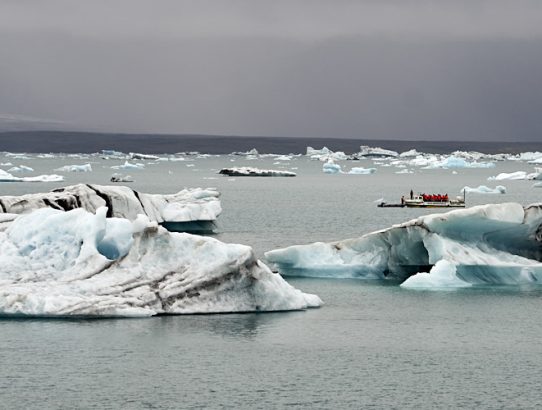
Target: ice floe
[
  {"x": 331, "y": 167},
  {"x": 255, "y": 172},
  {"x": 482, "y": 189},
  {"x": 129, "y": 165},
  {"x": 21, "y": 168},
  {"x": 75, "y": 168},
  {"x": 366, "y": 151},
  {"x": 136, "y": 155},
  {"x": 77, "y": 263},
  {"x": 121, "y": 178},
  {"x": 7, "y": 177},
  {"x": 488, "y": 244}
]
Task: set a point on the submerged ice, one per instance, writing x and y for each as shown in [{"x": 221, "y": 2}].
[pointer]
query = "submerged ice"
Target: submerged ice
[
  {"x": 487, "y": 244},
  {"x": 55, "y": 263}
]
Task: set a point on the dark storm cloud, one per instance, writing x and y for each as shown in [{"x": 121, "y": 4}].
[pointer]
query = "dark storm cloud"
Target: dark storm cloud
[{"x": 371, "y": 69}]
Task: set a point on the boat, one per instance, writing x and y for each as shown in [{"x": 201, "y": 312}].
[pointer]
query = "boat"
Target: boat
[{"x": 427, "y": 201}]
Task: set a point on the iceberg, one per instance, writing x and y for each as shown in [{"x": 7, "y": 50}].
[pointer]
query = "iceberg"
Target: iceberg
[
  {"x": 7, "y": 177},
  {"x": 362, "y": 171},
  {"x": 121, "y": 178},
  {"x": 331, "y": 167},
  {"x": 75, "y": 168},
  {"x": 21, "y": 168},
  {"x": 366, "y": 151},
  {"x": 136, "y": 155},
  {"x": 513, "y": 176},
  {"x": 77, "y": 263},
  {"x": 128, "y": 165},
  {"x": 255, "y": 172},
  {"x": 457, "y": 162},
  {"x": 494, "y": 244},
  {"x": 482, "y": 189},
  {"x": 192, "y": 210}
]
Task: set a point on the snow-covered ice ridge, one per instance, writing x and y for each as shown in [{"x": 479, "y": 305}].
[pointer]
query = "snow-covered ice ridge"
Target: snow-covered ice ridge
[
  {"x": 487, "y": 244},
  {"x": 122, "y": 202},
  {"x": 77, "y": 263},
  {"x": 255, "y": 172}
]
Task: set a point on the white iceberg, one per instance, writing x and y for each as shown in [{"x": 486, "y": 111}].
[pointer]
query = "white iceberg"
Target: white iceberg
[
  {"x": 516, "y": 176},
  {"x": 409, "y": 154},
  {"x": 482, "y": 189},
  {"x": 366, "y": 151},
  {"x": 136, "y": 155},
  {"x": 121, "y": 178},
  {"x": 443, "y": 275},
  {"x": 76, "y": 263},
  {"x": 128, "y": 165},
  {"x": 457, "y": 162},
  {"x": 188, "y": 210},
  {"x": 362, "y": 171},
  {"x": 21, "y": 168},
  {"x": 331, "y": 168},
  {"x": 7, "y": 177},
  {"x": 255, "y": 172},
  {"x": 75, "y": 168},
  {"x": 487, "y": 244}
]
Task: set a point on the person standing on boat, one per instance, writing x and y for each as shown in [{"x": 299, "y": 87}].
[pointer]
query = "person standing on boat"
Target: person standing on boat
[
  {"x": 411, "y": 194},
  {"x": 402, "y": 200}
]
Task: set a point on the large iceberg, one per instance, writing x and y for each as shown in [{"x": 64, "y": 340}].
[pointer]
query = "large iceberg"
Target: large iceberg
[
  {"x": 487, "y": 244},
  {"x": 76, "y": 263},
  {"x": 190, "y": 210}
]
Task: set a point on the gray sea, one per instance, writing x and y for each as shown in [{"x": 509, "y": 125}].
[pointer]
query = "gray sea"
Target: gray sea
[{"x": 371, "y": 345}]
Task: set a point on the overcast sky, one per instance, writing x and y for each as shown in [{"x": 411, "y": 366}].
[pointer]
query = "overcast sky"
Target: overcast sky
[{"x": 398, "y": 69}]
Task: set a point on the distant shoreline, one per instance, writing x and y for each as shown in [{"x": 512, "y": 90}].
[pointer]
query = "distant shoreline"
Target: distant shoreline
[{"x": 88, "y": 142}]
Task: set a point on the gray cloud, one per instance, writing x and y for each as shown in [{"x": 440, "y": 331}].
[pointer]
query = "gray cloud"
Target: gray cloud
[{"x": 372, "y": 69}]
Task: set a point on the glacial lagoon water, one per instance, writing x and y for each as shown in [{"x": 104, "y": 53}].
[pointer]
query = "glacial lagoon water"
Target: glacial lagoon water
[{"x": 372, "y": 345}]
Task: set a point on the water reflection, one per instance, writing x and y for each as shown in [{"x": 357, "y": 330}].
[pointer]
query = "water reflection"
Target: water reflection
[{"x": 243, "y": 325}]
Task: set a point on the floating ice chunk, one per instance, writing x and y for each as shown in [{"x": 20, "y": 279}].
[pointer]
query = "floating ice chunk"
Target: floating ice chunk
[
  {"x": 514, "y": 176},
  {"x": 75, "y": 168},
  {"x": 404, "y": 171},
  {"x": 482, "y": 189},
  {"x": 457, "y": 162},
  {"x": 121, "y": 178},
  {"x": 21, "y": 168},
  {"x": 443, "y": 275},
  {"x": 7, "y": 177},
  {"x": 255, "y": 172},
  {"x": 366, "y": 151},
  {"x": 488, "y": 244},
  {"x": 409, "y": 154},
  {"x": 136, "y": 155},
  {"x": 75, "y": 263},
  {"x": 362, "y": 171},
  {"x": 331, "y": 168},
  {"x": 311, "y": 152},
  {"x": 185, "y": 206},
  {"x": 129, "y": 165}
]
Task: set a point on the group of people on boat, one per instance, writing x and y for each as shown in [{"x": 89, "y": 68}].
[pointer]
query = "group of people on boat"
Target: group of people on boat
[{"x": 435, "y": 198}]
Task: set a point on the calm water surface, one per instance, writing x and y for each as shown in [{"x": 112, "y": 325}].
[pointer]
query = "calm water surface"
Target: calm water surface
[{"x": 370, "y": 346}]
